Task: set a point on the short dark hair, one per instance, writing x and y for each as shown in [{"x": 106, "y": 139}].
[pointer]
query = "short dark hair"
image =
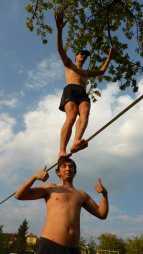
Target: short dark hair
[
  {"x": 63, "y": 160},
  {"x": 84, "y": 52}
]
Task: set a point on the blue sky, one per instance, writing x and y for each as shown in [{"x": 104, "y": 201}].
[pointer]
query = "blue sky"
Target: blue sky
[{"x": 31, "y": 82}]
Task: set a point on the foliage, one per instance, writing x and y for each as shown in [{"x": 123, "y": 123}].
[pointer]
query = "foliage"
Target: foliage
[
  {"x": 20, "y": 245},
  {"x": 16, "y": 243},
  {"x": 92, "y": 246},
  {"x": 31, "y": 248},
  {"x": 83, "y": 245},
  {"x": 98, "y": 25},
  {"x": 111, "y": 242},
  {"x": 1, "y": 244},
  {"x": 1, "y": 226},
  {"x": 4, "y": 242},
  {"x": 4, "y": 247},
  {"x": 135, "y": 245}
]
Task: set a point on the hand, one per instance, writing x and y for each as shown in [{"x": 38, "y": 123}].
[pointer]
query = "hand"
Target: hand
[
  {"x": 100, "y": 188},
  {"x": 42, "y": 175},
  {"x": 59, "y": 19}
]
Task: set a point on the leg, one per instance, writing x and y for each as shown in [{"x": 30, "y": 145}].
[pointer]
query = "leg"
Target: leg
[
  {"x": 84, "y": 109},
  {"x": 71, "y": 110}
]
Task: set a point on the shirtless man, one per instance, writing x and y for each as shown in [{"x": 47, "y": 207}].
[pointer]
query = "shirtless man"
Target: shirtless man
[
  {"x": 61, "y": 231},
  {"x": 75, "y": 100}
]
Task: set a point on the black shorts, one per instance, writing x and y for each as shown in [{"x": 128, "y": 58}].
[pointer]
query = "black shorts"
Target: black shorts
[
  {"x": 46, "y": 246},
  {"x": 75, "y": 93}
]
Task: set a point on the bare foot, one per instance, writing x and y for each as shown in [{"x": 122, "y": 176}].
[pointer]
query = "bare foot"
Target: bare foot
[
  {"x": 62, "y": 154},
  {"x": 79, "y": 145}
]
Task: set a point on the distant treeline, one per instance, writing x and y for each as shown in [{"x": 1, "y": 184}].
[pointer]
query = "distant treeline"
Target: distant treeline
[{"x": 18, "y": 243}]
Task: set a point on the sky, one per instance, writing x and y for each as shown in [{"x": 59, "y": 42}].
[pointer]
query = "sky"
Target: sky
[{"x": 31, "y": 83}]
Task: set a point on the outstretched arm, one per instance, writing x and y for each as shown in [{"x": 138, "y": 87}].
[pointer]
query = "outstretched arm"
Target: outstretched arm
[
  {"x": 101, "y": 210},
  {"x": 102, "y": 69},
  {"x": 25, "y": 192},
  {"x": 60, "y": 25}
]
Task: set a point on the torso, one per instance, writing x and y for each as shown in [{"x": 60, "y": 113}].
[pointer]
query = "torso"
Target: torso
[
  {"x": 63, "y": 215},
  {"x": 75, "y": 75}
]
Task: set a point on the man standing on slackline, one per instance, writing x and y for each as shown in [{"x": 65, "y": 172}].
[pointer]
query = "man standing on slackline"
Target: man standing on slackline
[{"x": 75, "y": 100}]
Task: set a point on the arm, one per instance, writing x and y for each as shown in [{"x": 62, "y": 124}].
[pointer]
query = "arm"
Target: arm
[
  {"x": 102, "y": 69},
  {"x": 101, "y": 210},
  {"x": 60, "y": 25},
  {"x": 25, "y": 192}
]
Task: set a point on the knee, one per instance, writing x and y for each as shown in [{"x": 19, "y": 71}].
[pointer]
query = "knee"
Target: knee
[
  {"x": 84, "y": 114},
  {"x": 71, "y": 118},
  {"x": 84, "y": 110}
]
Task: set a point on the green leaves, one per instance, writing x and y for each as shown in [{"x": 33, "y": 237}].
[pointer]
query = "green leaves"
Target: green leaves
[
  {"x": 98, "y": 25},
  {"x": 111, "y": 242},
  {"x": 36, "y": 19},
  {"x": 28, "y": 8},
  {"x": 134, "y": 245}
]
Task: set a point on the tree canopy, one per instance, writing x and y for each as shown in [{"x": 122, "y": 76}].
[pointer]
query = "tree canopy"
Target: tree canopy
[
  {"x": 98, "y": 25},
  {"x": 134, "y": 245},
  {"x": 111, "y": 242},
  {"x": 20, "y": 244}
]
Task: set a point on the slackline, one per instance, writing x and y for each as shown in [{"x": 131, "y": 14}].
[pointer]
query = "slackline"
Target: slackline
[{"x": 95, "y": 134}]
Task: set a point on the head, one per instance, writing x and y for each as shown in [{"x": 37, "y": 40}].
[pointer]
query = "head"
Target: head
[
  {"x": 62, "y": 161},
  {"x": 84, "y": 53}
]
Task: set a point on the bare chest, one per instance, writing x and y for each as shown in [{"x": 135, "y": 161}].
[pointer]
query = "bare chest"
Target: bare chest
[
  {"x": 65, "y": 198},
  {"x": 75, "y": 76}
]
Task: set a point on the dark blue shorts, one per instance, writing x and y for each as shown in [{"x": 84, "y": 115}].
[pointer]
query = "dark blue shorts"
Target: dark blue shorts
[
  {"x": 74, "y": 93},
  {"x": 46, "y": 246}
]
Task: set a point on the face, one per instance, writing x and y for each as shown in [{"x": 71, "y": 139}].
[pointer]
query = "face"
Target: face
[
  {"x": 81, "y": 57},
  {"x": 66, "y": 171}
]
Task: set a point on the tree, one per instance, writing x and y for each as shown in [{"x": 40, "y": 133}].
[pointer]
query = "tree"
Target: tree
[
  {"x": 83, "y": 246},
  {"x": 20, "y": 245},
  {"x": 111, "y": 242},
  {"x": 31, "y": 248},
  {"x": 135, "y": 245},
  {"x": 1, "y": 242},
  {"x": 92, "y": 246},
  {"x": 99, "y": 25},
  {"x": 4, "y": 241}
]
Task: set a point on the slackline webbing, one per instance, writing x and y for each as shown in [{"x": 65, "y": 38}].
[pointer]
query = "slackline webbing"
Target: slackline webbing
[{"x": 95, "y": 134}]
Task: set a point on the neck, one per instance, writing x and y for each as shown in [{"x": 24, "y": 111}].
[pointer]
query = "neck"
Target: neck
[
  {"x": 79, "y": 64},
  {"x": 66, "y": 183}
]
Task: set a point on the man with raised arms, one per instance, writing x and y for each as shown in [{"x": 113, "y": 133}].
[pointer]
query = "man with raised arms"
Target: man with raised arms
[
  {"x": 61, "y": 231},
  {"x": 75, "y": 101}
]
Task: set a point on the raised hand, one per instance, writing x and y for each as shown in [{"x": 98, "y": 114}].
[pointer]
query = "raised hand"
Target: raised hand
[
  {"x": 42, "y": 175},
  {"x": 100, "y": 188},
  {"x": 59, "y": 19}
]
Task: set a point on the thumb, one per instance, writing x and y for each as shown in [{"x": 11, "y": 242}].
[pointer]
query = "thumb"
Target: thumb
[
  {"x": 99, "y": 180},
  {"x": 45, "y": 168},
  {"x": 65, "y": 22}
]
